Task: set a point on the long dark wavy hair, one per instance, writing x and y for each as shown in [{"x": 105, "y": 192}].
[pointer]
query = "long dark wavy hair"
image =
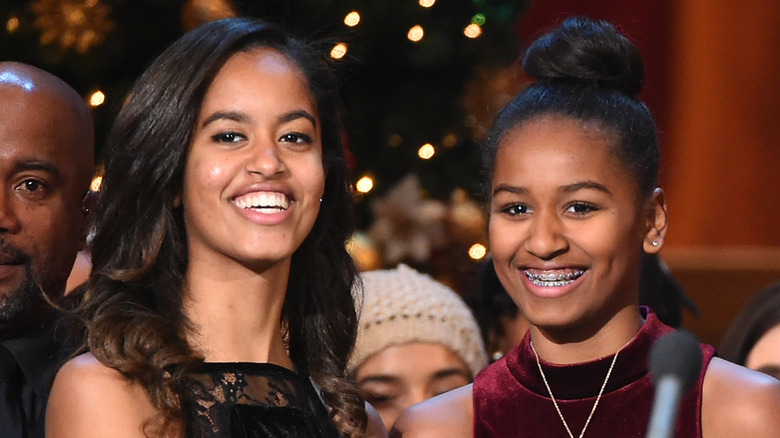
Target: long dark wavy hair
[{"x": 133, "y": 302}]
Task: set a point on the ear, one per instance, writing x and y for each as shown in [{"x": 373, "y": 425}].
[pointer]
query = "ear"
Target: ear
[
  {"x": 88, "y": 203},
  {"x": 177, "y": 201},
  {"x": 657, "y": 219}
]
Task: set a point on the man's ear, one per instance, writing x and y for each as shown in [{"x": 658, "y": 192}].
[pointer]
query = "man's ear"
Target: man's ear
[
  {"x": 88, "y": 204},
  {"x": 657, "y": 222}
]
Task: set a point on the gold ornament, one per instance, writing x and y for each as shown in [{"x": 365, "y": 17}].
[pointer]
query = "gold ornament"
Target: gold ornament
[
  {"x": 407, "y": 224},
  {"x": 79, "y": 24},
  {"x": 465, "y": 214}
]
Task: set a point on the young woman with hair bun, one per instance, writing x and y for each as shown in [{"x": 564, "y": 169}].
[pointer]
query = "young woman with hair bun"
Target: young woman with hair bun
[{"x": 572, "y": 165}]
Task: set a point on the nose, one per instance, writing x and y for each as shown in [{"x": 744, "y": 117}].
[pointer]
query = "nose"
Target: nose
[
  {"x": 264, "y": 159},
  {"x": 546, "y": 239},
  {"x": 9, "y": 221}
]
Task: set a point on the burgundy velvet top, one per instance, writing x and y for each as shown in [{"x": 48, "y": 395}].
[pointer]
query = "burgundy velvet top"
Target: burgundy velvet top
[{"x": 510, "y": 399}]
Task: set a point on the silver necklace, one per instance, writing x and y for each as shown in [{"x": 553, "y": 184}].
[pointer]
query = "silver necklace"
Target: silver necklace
[{"x": 555, "y": 403}]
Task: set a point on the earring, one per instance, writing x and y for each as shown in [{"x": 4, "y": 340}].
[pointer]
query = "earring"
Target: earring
[
  {"x": 655, "y": 243},
  {"x": 320, "y": 200}
]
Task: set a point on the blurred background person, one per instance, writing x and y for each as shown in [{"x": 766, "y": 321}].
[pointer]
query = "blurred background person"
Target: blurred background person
[
  {"x": 753, "y": 338},
  {"x": 416, "y": 339}
]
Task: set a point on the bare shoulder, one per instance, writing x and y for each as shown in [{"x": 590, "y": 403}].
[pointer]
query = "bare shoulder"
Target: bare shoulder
[
  {"x": 450, "y": 415},
  {"x": 89, "y": 399},
  {"x": 739, "y": 402}
]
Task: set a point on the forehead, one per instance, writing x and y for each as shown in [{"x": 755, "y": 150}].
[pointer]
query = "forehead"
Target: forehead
[
  {"x": 260, "y": 71},
  {"x": 558, "y": 147},
  {"x": 412, "y": 360},
  {"x": 37, "y": 124}
]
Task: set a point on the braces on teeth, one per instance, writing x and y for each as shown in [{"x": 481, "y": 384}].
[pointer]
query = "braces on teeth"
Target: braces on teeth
[{"x": 552, "y": 280}]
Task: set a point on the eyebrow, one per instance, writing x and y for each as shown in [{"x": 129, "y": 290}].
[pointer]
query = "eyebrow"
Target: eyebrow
[
  {"x": 378, "y": 378},
  {"x": 299, "y": 114},
  {"x": 510, "y": 189},
  {"x": 37, "y": 164},
  {"x": 241, "y": 117},
  {"x": 569, "y": 188},
  {"x": 449, "y": 372},
  {"x": 585, "y": 185},
  {"x": 226, "y": 115}
]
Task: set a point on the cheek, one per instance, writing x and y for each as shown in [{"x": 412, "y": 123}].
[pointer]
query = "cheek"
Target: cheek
[
  {"x": 204, "y": 175},
  {"x": 312, "y": 176},
  {"x": 504, "y": 240}
]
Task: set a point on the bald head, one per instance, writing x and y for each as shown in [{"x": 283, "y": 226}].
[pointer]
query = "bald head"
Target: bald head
[
  {"x": 46, "y": 165},
  {"x": 48, "y": 96}
]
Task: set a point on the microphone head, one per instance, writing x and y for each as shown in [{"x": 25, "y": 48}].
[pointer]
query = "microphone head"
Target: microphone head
[{"x": 676, "y": 354}]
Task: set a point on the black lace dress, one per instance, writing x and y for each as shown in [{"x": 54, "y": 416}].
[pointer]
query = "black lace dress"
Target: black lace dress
[{"x": 254, "y": 400}]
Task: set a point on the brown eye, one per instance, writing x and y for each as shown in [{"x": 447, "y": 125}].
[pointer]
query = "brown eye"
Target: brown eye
[
  {"x": 31, "y": 185},
  {"x": 228, "y": 137}
]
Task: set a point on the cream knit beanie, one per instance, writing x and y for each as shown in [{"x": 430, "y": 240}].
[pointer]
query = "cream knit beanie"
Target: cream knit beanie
[{"x": 402, "y": 305}]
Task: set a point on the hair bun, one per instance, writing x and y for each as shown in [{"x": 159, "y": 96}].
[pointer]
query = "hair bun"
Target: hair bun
[{"x": 588, "y": 52}]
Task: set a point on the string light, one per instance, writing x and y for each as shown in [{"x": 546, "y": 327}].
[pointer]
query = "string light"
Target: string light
[
  {"x": 427, "y": 3},
  {"x": 352, "y": 19},
  {"x": 472, "y": 31},
  {"x": 96, "y": 183},
  {"x": 477, "y": 251},
  {"x": 479, "y": 19},
  {"x": 338, "y": 51},
  {"x": 449, "y": 140},
  {"x": 364, "y": 184},
  {"x": 426, "y": 151},
  {"x": 12, "y": 24},
  {"x": 416, "y": 33},
  {"x": 97, "y": 98}
]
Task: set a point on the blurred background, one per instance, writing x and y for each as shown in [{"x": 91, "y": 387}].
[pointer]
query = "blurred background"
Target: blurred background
[{"x": 421, "y": 81}]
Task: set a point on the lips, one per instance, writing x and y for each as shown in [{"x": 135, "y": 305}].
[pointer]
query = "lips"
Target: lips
[
  {"x": 553, "y": 278},
  {"x": 7, "y": 258},
  {"x": 263, "y": 202}
]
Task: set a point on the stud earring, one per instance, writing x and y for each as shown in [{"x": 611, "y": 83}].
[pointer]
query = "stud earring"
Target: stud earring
[
  {"x": 655, "y": 243},
  {"x": 320, "y": 200}
]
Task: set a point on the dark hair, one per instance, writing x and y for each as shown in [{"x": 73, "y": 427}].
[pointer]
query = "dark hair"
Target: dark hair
[
  {"x": 133, "y": 302},
  {"x": 588, "y": 71},
  {"x": 761, "y": 313}
]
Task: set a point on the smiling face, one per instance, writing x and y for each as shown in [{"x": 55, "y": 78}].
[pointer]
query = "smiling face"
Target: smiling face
[
  {"x": 254, "y": 174},
  {"x": 566, "y": 226}
]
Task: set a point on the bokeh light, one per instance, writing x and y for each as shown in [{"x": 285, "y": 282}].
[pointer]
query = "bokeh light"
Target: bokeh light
[
  {"x": 416, "y": 33},
  {"x": 338, "y": 51},
  {"x": 352, "y": 19},
  {"x": 426, "y": 151},
  {"x": 477, "y": 251},
  {"x": 97, "y": 98},
  {"x": 364, "y": 184}
]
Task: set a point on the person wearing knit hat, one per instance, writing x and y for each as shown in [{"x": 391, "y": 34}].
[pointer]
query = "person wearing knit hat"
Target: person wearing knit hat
[{"x": 416, "y": 339}]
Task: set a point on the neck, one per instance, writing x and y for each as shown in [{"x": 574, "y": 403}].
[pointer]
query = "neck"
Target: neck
[
  {"x": 236, "y": 313},
  {"x": 561, "y": 347}
]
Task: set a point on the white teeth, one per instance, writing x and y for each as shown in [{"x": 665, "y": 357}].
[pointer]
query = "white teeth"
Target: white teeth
[
  {"x": 265, "y": 202},
  {"x": 553, "y": 280}
]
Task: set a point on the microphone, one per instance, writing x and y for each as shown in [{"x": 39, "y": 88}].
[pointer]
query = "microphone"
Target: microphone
[{"x": 675, "y": 364}]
